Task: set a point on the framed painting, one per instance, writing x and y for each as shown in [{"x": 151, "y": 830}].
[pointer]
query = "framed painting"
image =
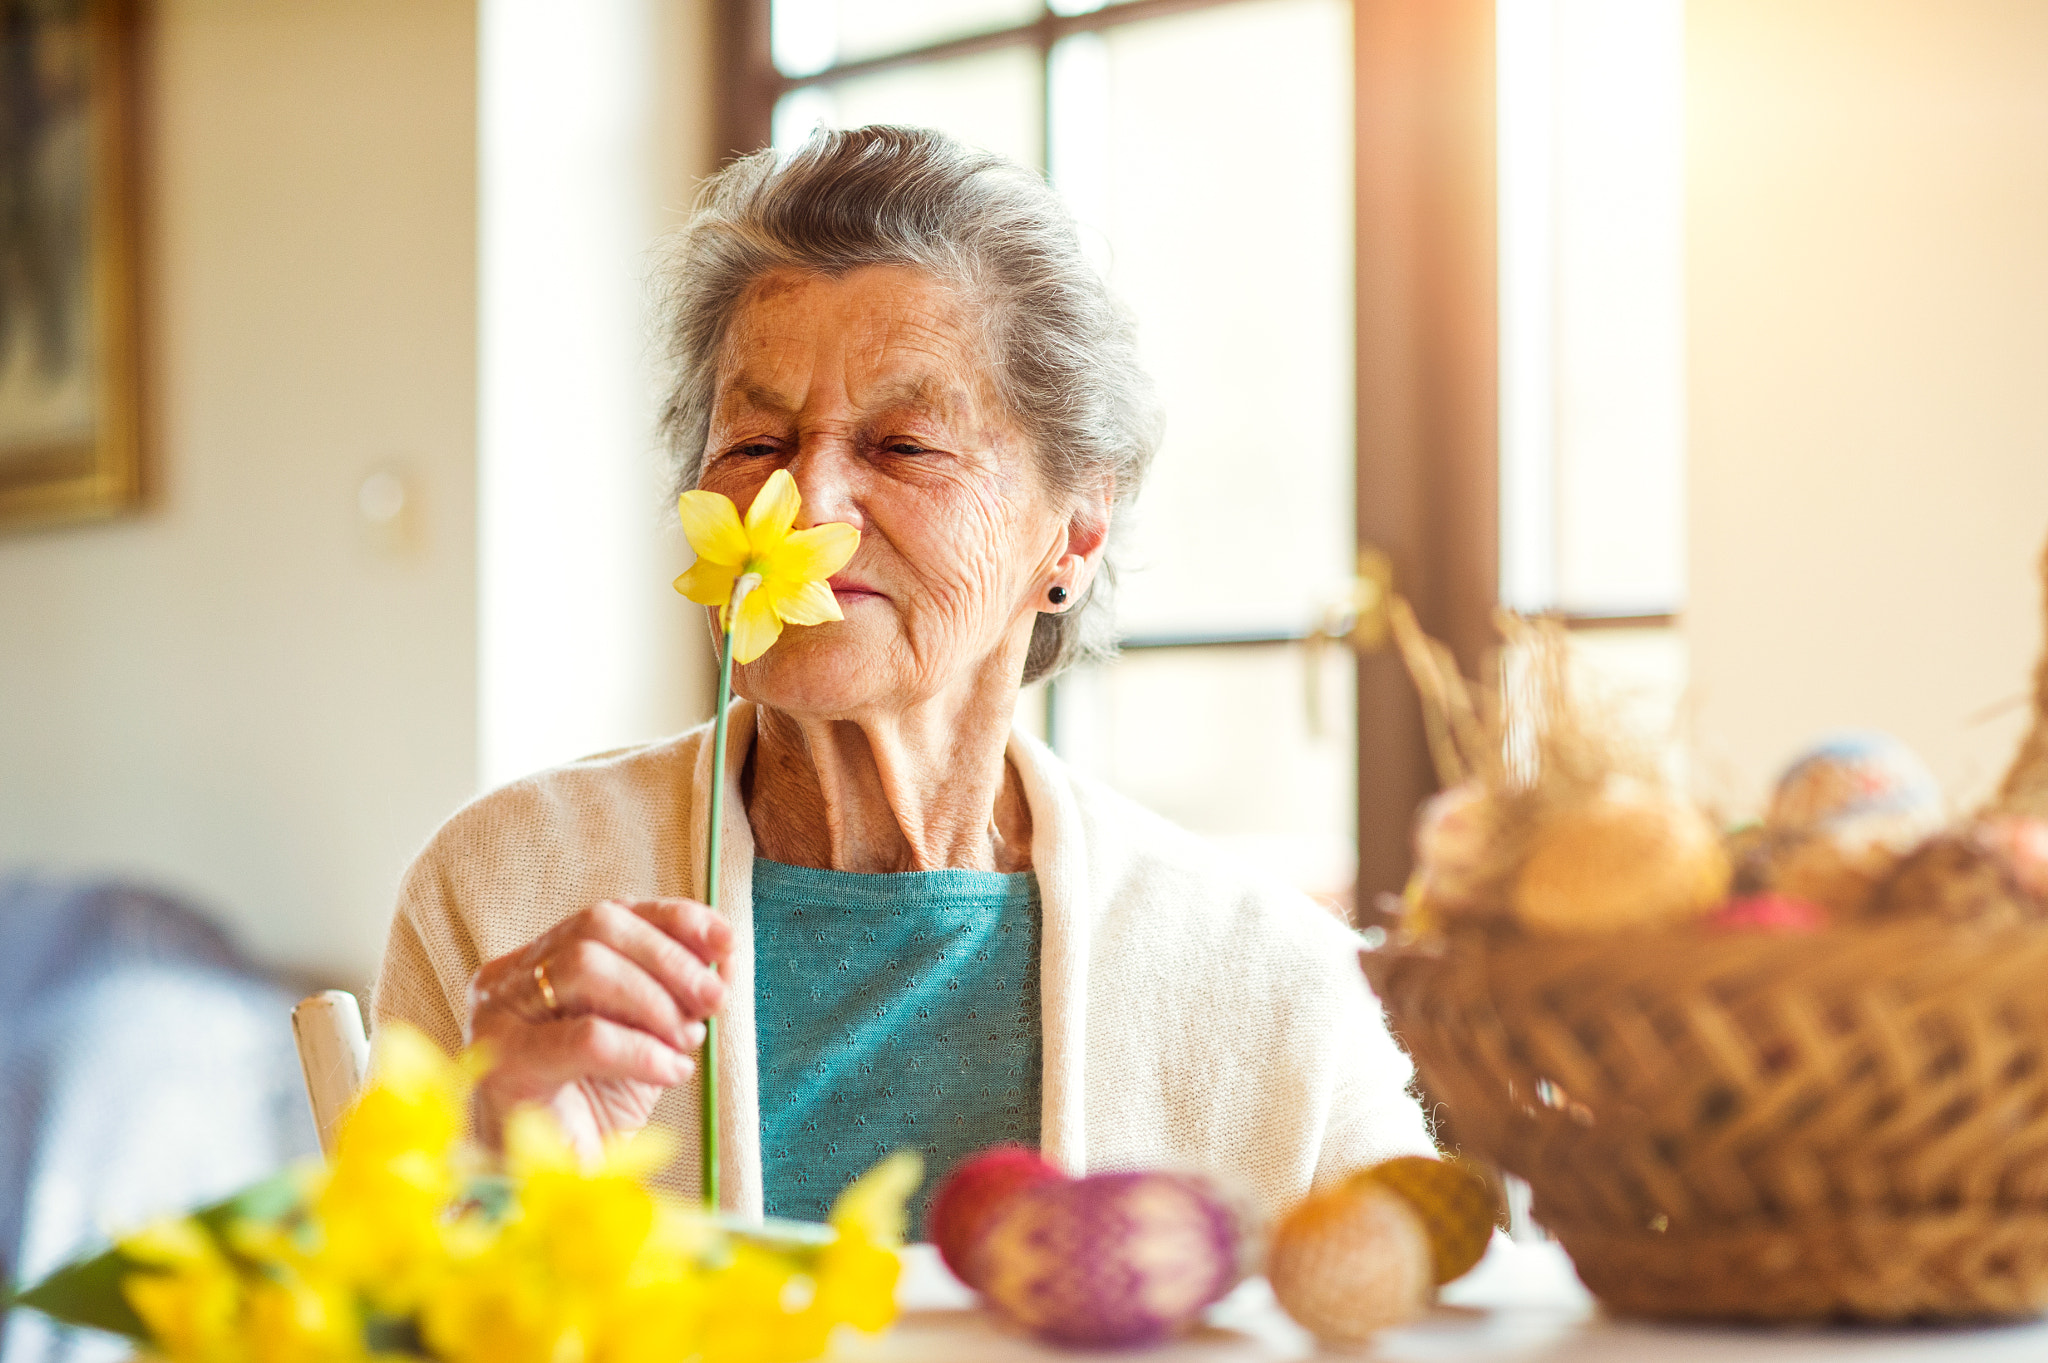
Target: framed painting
[{"x": 70, "y": 431}]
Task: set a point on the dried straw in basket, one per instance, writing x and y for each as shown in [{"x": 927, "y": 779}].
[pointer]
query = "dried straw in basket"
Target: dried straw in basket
[
  {"x": 2025, "y": 787},
  {"x": 1536, "y": 741}
]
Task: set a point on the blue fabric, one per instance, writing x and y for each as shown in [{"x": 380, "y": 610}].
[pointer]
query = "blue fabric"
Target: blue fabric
[
  {"x": 895, "y": 1011},
  {"x": 145, "y": 1067}
]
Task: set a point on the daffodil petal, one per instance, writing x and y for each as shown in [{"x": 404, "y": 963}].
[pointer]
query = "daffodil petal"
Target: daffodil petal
[
  {"x": 712, "y": 525},
  {"x": 774, "y": 510},
  {"x": 872, "y": 1205},
  {"x": 805, "y": 603},
  {"x": 708, "y": 583},
  {"x": 810, "y": 555},
  {"x": 534, "y": 1142},
  {"x": 639, "y": 1155},
  {"x": 168, "y": 1242},
  {"x": 755, "y": 628}
]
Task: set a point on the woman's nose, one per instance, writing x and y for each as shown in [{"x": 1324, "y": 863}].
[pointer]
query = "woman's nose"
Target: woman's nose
[{"x": 827, "y": 482}]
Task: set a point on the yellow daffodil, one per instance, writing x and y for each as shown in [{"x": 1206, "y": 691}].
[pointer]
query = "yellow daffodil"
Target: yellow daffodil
[
  {"x": 189, "y": 1296},
  {"x": 872, "y": 1206},
  {"x": 587, "y": 1228},
  {"x": 396, "y": 1170},
  {"x": 762, "y": 574},
  {"x": 293, "y": 1320},
  {"x": 790, "y": 565},
  {"x": 857, "y": 1272},
  {"x": 496, "y": 1310}
]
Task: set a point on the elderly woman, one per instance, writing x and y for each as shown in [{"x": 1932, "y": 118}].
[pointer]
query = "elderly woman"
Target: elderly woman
[{"x": 933, "y": 933}]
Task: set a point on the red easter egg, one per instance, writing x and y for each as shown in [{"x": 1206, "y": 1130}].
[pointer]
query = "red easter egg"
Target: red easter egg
[
  {"x": 977, "y": 1187},
  {"x": 1769, "y": 913}
]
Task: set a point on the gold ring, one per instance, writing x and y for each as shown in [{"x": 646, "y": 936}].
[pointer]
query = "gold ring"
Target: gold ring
[{"x": 547, "y": 990}]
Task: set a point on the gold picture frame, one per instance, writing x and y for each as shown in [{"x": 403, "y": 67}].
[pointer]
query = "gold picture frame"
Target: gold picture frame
[{"x": 70, "y": 342}]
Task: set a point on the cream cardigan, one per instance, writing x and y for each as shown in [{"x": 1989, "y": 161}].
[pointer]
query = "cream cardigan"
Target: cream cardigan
[{"x": 1194, "y": 1017}]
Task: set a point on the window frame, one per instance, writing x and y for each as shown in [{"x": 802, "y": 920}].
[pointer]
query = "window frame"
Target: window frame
[{"x": 751, "y": 86}]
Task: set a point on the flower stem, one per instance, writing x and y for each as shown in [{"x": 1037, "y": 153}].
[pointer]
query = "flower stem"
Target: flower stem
[{"x": 707, "y": 1061}]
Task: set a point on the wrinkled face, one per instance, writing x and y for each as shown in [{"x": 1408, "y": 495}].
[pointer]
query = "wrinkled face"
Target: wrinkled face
[{"x": 872, "y": 390}]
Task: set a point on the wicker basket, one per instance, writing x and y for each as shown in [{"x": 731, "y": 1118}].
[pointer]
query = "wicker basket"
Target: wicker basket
[{"x": 1852, "y": 1124}]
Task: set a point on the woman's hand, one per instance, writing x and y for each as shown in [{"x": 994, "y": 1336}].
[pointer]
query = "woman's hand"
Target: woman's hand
[{"x": 594, "y": 1018}]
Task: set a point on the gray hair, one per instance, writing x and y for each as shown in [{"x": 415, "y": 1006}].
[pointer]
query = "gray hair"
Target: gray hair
[{"x": 1064, "y": 352}]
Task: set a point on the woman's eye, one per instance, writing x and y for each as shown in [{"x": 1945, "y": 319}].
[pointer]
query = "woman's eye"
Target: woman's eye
[
  {"x": 752, "y": 450},
  {"x": 906, "y": 447}
]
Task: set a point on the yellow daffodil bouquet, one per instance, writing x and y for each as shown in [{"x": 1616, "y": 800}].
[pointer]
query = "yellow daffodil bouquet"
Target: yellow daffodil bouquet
[{"x": 412, "y": 1244}]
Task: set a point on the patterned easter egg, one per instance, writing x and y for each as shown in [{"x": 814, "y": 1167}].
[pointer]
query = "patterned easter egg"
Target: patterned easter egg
[
  {"x": 974, "y": 1190},
  {"x": 1240, "y": 1206},
  {"x": 1111, "y": 1260},
  {"x": 1351, "y": 1261},
  {"x": 1981, "y": 874},
  {"x": 1630, "y": 858},
  {"x": 1859, "y": 778},
  {"x": 1456, "y": 1203}
]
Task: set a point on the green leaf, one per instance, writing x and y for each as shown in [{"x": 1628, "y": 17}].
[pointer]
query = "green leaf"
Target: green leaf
[
  {"x": 775, "y": 1232},
  {"x": 88, "y": 1292},
  {"x": 272, "y": 1199}
]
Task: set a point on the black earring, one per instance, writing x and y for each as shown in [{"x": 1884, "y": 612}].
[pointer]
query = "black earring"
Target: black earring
[{"x": 1058, "y": 595}]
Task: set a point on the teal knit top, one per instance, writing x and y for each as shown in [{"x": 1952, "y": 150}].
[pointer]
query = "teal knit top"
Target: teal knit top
[{"x": 895, "y": 1011}]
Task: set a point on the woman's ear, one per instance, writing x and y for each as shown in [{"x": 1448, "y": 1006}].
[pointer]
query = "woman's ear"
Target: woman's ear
[{"x": 1087, "y": 540}]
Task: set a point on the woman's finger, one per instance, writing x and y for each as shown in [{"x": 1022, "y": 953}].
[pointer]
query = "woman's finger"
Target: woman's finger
[
  {"x": 594, "y": 977},
  {"x": 704, "y": 931},
  {"x": 509, "y": 988},
  {"x": 537, "y": 1059},
  {"x": 635, "y": 932},
  {"x": 557, "y": 973}
]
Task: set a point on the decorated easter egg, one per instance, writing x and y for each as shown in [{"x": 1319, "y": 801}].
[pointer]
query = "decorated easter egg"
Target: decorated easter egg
[
  {"x": 1454, "y": 832},
  {"x": 1870, "y": 779},
  {"x": 1980, "y": 874},
  {"x": 1629, "y": 858},
  {"x": 971, "y": 1193},
  {"x": 1455, "y": 1202},
  {"x": 1352, "y": 1260},
  {"x": 1768, "y": 913},
  {"x": 2021, "y": 841},
  {"x": 1838, "y": 871},
  {"x": 1239, "y": 1205},
  {"x": 1111, "y": 1260}
]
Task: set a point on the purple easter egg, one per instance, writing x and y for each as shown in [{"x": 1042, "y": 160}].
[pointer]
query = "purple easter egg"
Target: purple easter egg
[{"x": 1112, "y": 1260}]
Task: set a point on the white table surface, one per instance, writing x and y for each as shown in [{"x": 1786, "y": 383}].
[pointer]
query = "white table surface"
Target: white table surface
[{"x": 1523, "y": 1302}]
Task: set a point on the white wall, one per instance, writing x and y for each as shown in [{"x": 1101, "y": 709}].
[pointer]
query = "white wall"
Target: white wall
[
  {"x": 584, "y": 645},
  {"x": 1868, "y": 374},
  {"x": 251, "y": 693},
  {"x": 244, "y": 693}
]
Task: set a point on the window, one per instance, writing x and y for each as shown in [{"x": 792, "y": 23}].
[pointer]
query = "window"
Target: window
[
  {"x": 1592, "y": 514},
  {"x": 1205, "y": 148}
]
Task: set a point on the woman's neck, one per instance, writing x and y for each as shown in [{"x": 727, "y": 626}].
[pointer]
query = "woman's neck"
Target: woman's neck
[{"x": 916, "y": 790}]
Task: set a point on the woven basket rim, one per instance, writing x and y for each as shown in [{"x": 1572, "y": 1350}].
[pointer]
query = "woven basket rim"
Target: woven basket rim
[{"x": 1694, "y": 950}]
